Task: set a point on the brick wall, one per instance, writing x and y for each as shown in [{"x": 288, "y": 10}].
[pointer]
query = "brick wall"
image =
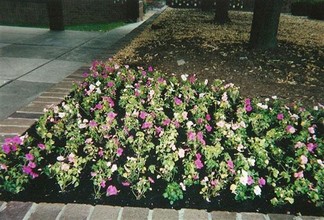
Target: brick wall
[{"x": 74, "y": 11}]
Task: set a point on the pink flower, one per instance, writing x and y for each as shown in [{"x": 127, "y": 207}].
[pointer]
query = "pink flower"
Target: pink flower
[
  {"x": 280, "y": 116},
  {"x": 34, "y": 175},
  {"x": 200, "y": 138},
  {"x": 41, "y": 146},
  {"x": 230, "y": 164},
  {"x": 16, "y": 140},
  {"x": 143, "y": 115},
  {"x": 192, "y": 79},
  {"x": 299, "y": 175},
  {"x": 158, "y": 130},
  {"x": 151, "y": 180},
  {"x": 200, "y": 121},
  {"x": 103, "y": 183},
  {"x": 6, "y": 148},
  {"x": 248, "y": 108},
  {"x": 93, "y": 123},
  {"x": 100, "y": 152},
  {"x": 177, "y": 101},
  {"x": 110, "y": 84},
  {"x": 262, "y": 182},
  {"x": 176, "y": 124},
  {"x": 98, "y": 106},
  {"x": 303, "y": 159},
  {"x": 311, "y": 130},
  {"x": 208, "y": 127},
  {"x": 146, "y": 125},
  {"x": 311, "y": 147},
  {"x": 85, "y": 74},
  {"x": 111, "y": 115},
  {"x": 29, "y": 156},
  {"x": 112, "y": 190},
  {"x": 290, "y": 129},
  {"x": 247, "y": 101},
  {"x": 198, "y": 162},
  {"x": 191, "y": 136},
  {"x": 166, "y": 122},
  {"x": 32, "y": 165},
  {"x": 150, "y": 69},
  {"x": 208, "y": 118},
  {"x": 27, "y": 169},
  {"x": 125, "y": 183},
  {"x": 250, "y": 180},
  {"x": 119, "y": 151}
]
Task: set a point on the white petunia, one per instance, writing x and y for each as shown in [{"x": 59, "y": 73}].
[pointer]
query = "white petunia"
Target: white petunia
[{"x": 257, "y": 190}]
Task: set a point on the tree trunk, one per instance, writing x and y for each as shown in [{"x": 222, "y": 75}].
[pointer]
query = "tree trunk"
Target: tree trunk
[
  {"x": 207, "y": 5},
  {"x": 55, "y": 15},
  {"x": 221, "y": 11},
  {"x": 265, "y": 23}
]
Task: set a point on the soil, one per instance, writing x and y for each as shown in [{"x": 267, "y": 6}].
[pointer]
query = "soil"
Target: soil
[{"x": 186, "y": 41}]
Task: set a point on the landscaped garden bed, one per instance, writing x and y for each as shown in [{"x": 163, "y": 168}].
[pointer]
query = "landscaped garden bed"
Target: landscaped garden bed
[{"x": 135, "y": 136}]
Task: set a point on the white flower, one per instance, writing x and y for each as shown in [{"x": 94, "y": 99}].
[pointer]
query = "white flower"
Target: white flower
[
  {"x": 183, "y": 187},
  {"x": 267, "y": 99},
  {"x": 65, "y": 167},
  {"x": 181, "y": 153},
  {"x": 60, "y": 158},
  {"x": 251, "y": 161},
  {"x": 92, "y": 87},
  {"x": 184, "y": 77},
  {"x": 206, "y": 82},
  {"x": 98, "y": 83},
  {"x": 61, "y": 114},
  {"x": 233, "y": 188},
  {"x": 173, "y": 147},
  {"x": 220, "y": 124},
  {"x": 185, "y": 115},
  {"x": 240, "y": 147},
  {"x": 113, "y": 168},
  {"x": 189, "y": 124},
  {"x": 260, "y": 105},
  {"x": 274, "y": 97},
  {"x": 244, "y": 178},
  {"x": 201, "y": 95},
  {"x": 315, "y": 108},
  {"x": 98, "y": 91},
  {"x": 224, "y": 97},
  {"x": 257, "y": 190},
  {"x": 108, "y": 164}
]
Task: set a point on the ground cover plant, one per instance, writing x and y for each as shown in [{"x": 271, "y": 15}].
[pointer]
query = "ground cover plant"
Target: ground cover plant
[{"x": 138, "y": 134}]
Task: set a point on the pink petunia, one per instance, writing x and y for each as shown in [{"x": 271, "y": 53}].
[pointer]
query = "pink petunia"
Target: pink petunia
[
  {"x": 200, "y": 138},
  {"x": 32, "y": 165},
  {"x": 143, "y": 115},
  {"x": 29, "y": 157},
  {"x": 16, "y": 140},
  {"x": 98, "y": 106},
  {"x": 110, "y": 84},
  {"x": 166, "y": 122},
  {"x": 119, "y": 151},
  {"x": 158, "y": 130},
  {"x": 41, "y": 146},
  {"x": 230, "y": 164},
  {"x": 151, "y": 180},
  {"x": 262, "y": 182},
  {"x": 208, "y": 118},
  {"x": 299, "y": 175},
  {"x": 6, "y": 148},
  {"x": 192, "y": 79},
  {"x": 311, "y": 147},
  {"x": 208, "y": 127},
  {"x": 93, "y": 124},
  {"x": 191, "y": 136},
  {"x": 177, "y": 101},
  {"x": 250, "y": 180},
  {"x": 112, "y": 190},
  {"x": 198, "y": 163},
  {"x": 111, "y": 115},
  {"x": 280, "y": 116},
  {"x": 150, "y": 69},
  {"x": 290, "y": 129},
  {"x": 103, "y": 183},
  {"x": 125, "y": 183},
  {"x": 27, "y": 169},
  {"x": 146, "y": 125}
]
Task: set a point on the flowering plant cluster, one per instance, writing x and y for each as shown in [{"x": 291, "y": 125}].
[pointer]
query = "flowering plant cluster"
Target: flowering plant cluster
[{"x": 140, "y": 130}]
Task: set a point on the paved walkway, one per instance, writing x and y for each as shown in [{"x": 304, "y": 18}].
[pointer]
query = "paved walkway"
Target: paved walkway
[{"x": 37, "y": 68}]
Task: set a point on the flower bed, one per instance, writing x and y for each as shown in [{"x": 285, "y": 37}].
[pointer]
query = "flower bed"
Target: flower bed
[{"x": 140, "y": 131}]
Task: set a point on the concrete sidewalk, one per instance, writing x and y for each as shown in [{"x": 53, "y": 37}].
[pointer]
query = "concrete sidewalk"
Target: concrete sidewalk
[
  {"x": 37, "y": 68},
  {"x": 32, "y": 60}
]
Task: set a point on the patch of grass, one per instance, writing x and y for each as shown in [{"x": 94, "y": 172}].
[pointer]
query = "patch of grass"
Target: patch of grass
[{"x": 103, "y": 27}]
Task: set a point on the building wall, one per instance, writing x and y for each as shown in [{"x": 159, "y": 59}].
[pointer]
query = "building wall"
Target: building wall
[{"x": 74, "y": 11}]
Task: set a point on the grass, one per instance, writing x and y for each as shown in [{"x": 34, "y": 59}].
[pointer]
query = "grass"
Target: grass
[{"x": 102, "y": 27}]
